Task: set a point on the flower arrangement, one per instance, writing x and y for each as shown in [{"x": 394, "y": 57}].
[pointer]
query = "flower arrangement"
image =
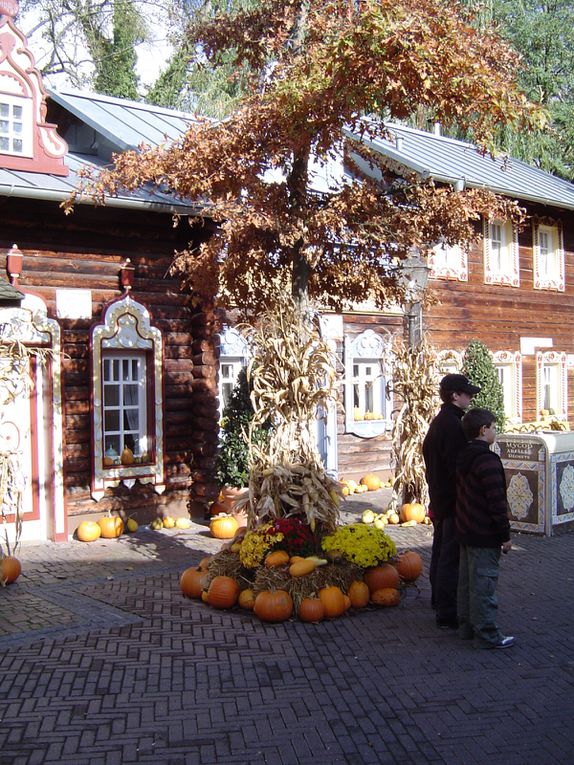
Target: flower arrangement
[
  {"x": 298, "y": 539},
  {"x": 361, "y": 544},
  {"x": 257, "y": 543}
]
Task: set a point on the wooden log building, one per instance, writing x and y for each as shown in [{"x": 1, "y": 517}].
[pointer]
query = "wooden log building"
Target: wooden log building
[{"x": 123, "y": 415}]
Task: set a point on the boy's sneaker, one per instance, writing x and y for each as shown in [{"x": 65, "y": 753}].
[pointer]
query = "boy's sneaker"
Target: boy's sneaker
[{"x": 504, "y": 642}]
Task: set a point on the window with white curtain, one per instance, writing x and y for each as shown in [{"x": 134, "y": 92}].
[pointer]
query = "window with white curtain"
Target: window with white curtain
[
  {"x": 368, "y": 363},
  {"x": 552, "y": 384},
  {"x": 508, "y": 365},
  {"x": 501, "y": 264},
  {"x": 124, "y": 404},
  {"x": 15, "y": 121},
  {"x": 548, "y": 252}
]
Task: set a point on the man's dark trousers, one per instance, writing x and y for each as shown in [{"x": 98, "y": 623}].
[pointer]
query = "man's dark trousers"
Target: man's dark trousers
[{"x": 443, "y": 572}]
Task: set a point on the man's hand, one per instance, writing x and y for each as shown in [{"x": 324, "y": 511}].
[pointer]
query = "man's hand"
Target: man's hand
[{"x": 506, "y": 546}]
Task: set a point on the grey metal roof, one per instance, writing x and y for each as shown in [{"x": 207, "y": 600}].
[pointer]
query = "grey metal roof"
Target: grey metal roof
[
  {"x": 125, "y": 125},
  {"x": 9, "y": 293},
  {"x": 450, "y": 160}
]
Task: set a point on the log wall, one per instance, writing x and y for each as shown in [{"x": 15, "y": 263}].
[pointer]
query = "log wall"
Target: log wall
[{"x": 85, "y": 250}]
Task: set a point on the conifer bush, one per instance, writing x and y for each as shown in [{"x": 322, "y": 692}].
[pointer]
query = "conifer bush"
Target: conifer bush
[{"x": 480, "y": 370}]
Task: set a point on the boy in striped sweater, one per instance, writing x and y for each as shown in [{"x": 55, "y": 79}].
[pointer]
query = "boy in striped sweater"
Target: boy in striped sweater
[{"x": 483, "y": 531}]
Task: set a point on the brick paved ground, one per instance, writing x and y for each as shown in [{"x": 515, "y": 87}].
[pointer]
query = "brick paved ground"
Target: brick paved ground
[{"x": 103, "y": 662}]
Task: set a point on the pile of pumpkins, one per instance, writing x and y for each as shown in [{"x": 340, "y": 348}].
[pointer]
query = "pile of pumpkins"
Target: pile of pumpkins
[
  {"x": 369, "y": 482},
  {"x": 410, "y": 514},
  {"x": 112, "y": 527},
  {"x": 379, "y": 586}
]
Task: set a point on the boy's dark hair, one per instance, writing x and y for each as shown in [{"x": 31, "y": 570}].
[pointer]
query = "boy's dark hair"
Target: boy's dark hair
[{"x": 474, "y": 420}]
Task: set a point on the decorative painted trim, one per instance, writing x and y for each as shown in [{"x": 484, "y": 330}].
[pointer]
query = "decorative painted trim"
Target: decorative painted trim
[
  {"x": 512, "y": 359},
  {"x": 127, "y": 326},
  {"x": 449, "y": 361},
  {"x": 558, "y": 359},
  {"x": 555, "y": 229},
  {"x": 369, "y": 345},
  {"x": 511, "y": 277},
  {"x": 19, "y": 79},
  {"x": 29, "y": 324},
  {"x": 448, "y": 262}
]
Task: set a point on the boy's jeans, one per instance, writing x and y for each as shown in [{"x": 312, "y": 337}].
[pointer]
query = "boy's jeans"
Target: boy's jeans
[{"x": 477, "y": 603}]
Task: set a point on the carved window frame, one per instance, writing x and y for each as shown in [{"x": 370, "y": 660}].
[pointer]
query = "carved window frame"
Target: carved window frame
[
  {"x": 126, "y": 328},
  {"x": 372, "y": 349},
  {"x": 558, "y": 361},
  {"x": 449, "y": 362},
  {"x": 510, "y": 364},
  {"x": 556, "y": 280},
  {"x": 448, "y": 261},
  {"x": 508, "y": 274}
]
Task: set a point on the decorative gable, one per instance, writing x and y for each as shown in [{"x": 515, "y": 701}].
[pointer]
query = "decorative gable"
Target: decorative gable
[{"x": 27, "y": 141}]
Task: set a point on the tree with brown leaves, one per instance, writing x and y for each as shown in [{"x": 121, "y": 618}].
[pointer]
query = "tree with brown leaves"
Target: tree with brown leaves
[{"x": 319, "y": 66}]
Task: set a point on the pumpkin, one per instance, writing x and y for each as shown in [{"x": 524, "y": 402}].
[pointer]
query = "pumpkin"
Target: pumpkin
[
  {"x": 311, "y": 610},
  {"x": 273, "y": 605},
  {"x": 10, "y": 569},
  {"x": 413, "y": 511},
  {"x": 410, "y": 566},
  {"x": 192, "y": 582},
  {"x": 276, "y": 558},
  {"x": 333, "y": 601},
  {"x": 302, "y": 567},
  {"x": 378, "y": 577},
  {"x": 359, "y": 594},
  {"x": 393, "y": 518},
  {"x": 112, "y": 526},
  {"x": 204, "y": 563},
  {"x": 386, "y": 597},
  {"x": 371, "y": 481},
  {"x": 223, "y": 527},
  {"x": 347, "y": 600},
  {"x": 223, "y": 592},
  {"x": 182, "y": 523},
  {"x": 88, "y": 531},
  {"x": 247, "y": 599}
]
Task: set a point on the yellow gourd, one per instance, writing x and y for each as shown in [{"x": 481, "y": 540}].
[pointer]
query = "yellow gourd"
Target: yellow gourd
[{"x": 302, "y": 567}]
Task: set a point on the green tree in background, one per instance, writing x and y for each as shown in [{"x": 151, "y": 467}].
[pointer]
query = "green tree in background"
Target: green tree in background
[
  {"x": 116, "y": 56},
  {"x": 479, "y": 368},
  {"x": 543, "y": 33}
]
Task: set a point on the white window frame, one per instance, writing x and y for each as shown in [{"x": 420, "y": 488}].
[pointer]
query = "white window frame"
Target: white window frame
[
  {"x": 548, "y": 254},
  {"x": 508, "y": 365},
  {"x": 127, "y": 369},
  {"x": 551, "y": 366},
  {"x": 449, "y": 362},
  {"x": 448, "y": 261},
  {"x": 501, "y": 258},
  {"x": 368, "y": 361},
  {"x": 126, "y": 332},
  {"x": 233, "y": 350},
  {"x": 24, "y": 121}
]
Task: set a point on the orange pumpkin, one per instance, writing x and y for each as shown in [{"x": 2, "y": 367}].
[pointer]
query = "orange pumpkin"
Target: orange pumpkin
[
  {"x": 311, "y": 610},
  {"x": 192, "y": 582},
  {"x": 273, "y": 606},
  {"x": 88, "y": 531},
  {"x": 359, "y": 594},
  {"x": 333, "y": 601},
  {"x": 276, "y": 558},
  {"x": 247, "y": 599},
  {"x": 386, "y": 597},
  {"x": 223, "y": 527},
  {"x": 413, "y": 511},
  {"x": 223, "y": 592},
  {"x": 112, "y": 526},
  {"x": 204, "y": 563},
  {"x": 10, "y": 569},
  {"x": 371, "y": 481},
  {"x": 378, "y": 577},
  {"x": 409, "y": 566}
]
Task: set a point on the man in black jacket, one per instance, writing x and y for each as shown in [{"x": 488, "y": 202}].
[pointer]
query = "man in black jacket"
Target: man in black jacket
[
  {"x": 441, "y": 447},
  {"x": 483, "y": 531}
]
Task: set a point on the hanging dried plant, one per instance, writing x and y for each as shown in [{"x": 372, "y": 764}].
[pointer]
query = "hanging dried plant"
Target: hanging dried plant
[
  {"x": 415, "y": 383},
  {"x": 292, "y": 373}
]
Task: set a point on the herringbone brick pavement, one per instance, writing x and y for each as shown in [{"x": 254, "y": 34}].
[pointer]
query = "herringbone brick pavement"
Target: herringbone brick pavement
[{"x": 103, "y": 662}]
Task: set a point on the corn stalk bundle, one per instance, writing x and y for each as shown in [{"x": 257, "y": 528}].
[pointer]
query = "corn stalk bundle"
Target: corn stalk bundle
[
  {"x": 415, "y": 383},
  {"x": 292, "y": 373}
]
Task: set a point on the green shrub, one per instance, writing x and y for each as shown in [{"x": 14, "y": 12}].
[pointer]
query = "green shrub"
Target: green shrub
[{"x": 480, "y": 370}]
